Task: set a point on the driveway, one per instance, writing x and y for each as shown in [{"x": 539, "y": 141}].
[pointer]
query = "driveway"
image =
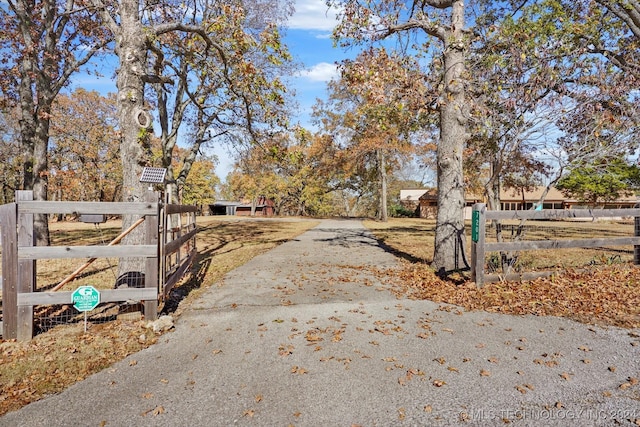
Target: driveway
[{"x": 309, "y": 334}]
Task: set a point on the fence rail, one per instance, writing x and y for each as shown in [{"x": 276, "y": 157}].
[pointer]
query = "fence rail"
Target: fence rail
[
  {"x": 177, "y": 250},
  {"x": 167, "y": 245},
  {"x": 479, "y": 246}
]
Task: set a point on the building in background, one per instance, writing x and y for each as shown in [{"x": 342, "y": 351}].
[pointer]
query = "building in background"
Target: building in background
[
  {"x": 263, "y": 207},
  {"x": 424, "y": 201}
]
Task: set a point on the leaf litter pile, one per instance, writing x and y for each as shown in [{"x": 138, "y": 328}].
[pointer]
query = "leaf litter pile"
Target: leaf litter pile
[{"x": 607, "y": 296}]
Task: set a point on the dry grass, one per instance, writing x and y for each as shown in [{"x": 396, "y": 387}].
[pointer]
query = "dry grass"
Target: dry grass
[
  {"x": 54, "y": 360},
  {"x": 607, "y": 293}
]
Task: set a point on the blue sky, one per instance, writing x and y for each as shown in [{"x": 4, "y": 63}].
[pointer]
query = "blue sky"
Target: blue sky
[{"x": 308, "y": 37}]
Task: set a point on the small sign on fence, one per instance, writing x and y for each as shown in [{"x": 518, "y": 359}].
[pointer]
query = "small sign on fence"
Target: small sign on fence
[
  {"x": 85, "y": 298},
  {"x": 475, "y": 225}
]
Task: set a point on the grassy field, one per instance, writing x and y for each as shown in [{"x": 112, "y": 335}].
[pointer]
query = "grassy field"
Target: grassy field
[{"x": 608, "y": 294}]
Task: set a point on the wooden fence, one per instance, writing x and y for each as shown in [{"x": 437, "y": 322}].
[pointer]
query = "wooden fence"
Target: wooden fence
[
  {"x": 479, "y": 246},
  {"x": 169, "y": 249},
  {"x": 177, "y": 244}
]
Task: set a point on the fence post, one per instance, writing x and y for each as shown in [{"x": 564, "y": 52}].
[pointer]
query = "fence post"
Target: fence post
[
  {"x": 478, "y": 225},
  {"x": 151, "y": 264},
  {"x": 636, "y": 248},
  {"x": 26, "y": 268},
  {"x": 9, "y": 243}
]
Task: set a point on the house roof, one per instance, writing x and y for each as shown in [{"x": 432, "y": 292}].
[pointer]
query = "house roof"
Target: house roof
[
  {"x": 412, "y": 194},
  {"x": 430, "y": 194},
  {"x": 506, "y": 195},
  {"x": 511, "y": 194},
  {"x": 225, "y": 203}
]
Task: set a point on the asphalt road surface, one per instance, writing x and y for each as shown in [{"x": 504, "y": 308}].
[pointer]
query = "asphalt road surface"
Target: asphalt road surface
[{"x": 309, "y": 335}]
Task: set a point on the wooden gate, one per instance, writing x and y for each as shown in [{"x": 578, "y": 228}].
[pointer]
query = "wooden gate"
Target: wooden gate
[{"x": 169, "y": 249}]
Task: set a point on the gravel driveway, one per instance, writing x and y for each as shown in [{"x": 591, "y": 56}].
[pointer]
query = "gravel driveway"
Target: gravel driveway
[{"x": 308, "y": 335}]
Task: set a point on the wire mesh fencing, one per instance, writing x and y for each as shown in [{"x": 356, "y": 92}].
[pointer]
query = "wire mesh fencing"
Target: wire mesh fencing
[{"x": 505, "y": 262}]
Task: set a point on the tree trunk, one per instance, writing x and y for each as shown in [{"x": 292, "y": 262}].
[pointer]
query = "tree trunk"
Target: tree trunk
[
  {"x": 135, "y": 125},
  {"x": 450, "y": 234},
  {"x": 34, "y": 131},
  {"x": 382, "y": 164}
]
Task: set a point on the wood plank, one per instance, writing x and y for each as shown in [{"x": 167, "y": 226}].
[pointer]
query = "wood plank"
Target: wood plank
[
  {"x": 9, "y": 243},
  {"x": 151, "y": 264},
  {"x": 171, "y": 281},
  {"x": 59, "y": 252},
  {"x": 90, "y": 208},
  {"x": 176, "y": 244},
  {"x": 174, "y": 209},
  {"x": 106, "y": 295},
  {"x": 563, "y": 214},
  {"x": 478, "y": 247},
  {"x": 26, "y": 268},
  {"x": 561, "y": 244}
]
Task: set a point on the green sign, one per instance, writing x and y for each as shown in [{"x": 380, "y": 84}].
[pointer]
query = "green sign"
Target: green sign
[
  {"x": 85, "y": 298},
  {"x": 475, "y": 226}
]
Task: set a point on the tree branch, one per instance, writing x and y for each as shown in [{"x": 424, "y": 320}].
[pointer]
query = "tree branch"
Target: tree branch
[{"x": 428, "y": 27}]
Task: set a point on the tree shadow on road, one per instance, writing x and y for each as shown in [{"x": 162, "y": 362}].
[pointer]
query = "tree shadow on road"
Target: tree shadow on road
[{"x": 226, "y": 245}]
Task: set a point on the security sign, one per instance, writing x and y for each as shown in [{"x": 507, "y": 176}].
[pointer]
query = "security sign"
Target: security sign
[{"x": 85, "y": 298}]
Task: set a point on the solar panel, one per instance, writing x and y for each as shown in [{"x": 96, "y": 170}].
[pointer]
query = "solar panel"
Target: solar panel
[{"x": 153, "y": 175}]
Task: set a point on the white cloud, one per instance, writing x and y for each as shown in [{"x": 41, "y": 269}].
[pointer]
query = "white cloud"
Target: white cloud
[
  {"x": 321, "y": 72},
  {"x": 323, "y": 36},
  {"x": 312, "y": 15}
]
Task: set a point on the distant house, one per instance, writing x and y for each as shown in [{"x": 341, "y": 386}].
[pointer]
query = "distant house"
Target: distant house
[
  {"x": 517, "y": 200},
  {"x": 428, "y": 204},
  {"x": 511, "y": 200},
  {"x": 425, "y": 201},
  {"x": 264, "y": 207},
  {"x": 410, "y": 199}
]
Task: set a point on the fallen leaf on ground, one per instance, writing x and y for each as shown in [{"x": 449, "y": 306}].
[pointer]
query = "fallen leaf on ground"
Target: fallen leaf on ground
[
  {"x": 565, "y": 375},
  {"x": 298, "y": 370},
  {"x": 155, "y": 411}
]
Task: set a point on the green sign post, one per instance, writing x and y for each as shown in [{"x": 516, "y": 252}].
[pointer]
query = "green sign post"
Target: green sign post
[
  {"x": 85, "y": 298},
  {"x": 475, "y": 226}
]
